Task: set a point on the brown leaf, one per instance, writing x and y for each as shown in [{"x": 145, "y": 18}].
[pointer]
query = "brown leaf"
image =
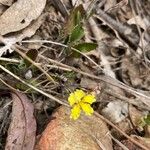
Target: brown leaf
[
  {"x": 23, "y": 12},
  {"x": 130, "y": 145},
  {"x": 143, "y": 140},
  {"x": 116, "y": 111},
  {"x": 6, "y": 2},
  {"x": 134, "y": 73},
  {"x": 27, "y": 32},
  {"x": 88, "y": 133},
  {"x": 30, "y": 30},
  {"x": 109, "y": 4},
  {"x": 22, "y": 130},
  {"x": 135, "y": 115}
]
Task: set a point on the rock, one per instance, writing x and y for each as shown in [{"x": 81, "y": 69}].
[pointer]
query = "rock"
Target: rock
[{"x": 86, "y": 133}]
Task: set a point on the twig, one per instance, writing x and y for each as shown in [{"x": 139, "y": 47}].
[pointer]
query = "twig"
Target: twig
[
  {"x": 63, "y": 45},
  {"x": 125, "y": 30},
  {"x": 118, "y": 129},
  {"x": 135, "y": 102},
  {"x": 119, "y": 143},
  {"x": 108, "y": 80},
  {"x": 31, "y": 86},
  {"x": 31, "y": 61},
  {"x": 61, "y": 7},
  {"x": 9, "y": 60},
  {"x": 107, "y": 68}
]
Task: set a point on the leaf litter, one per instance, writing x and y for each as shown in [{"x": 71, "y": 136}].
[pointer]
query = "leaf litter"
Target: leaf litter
[
  {"x": 22, "y": 129},
  {"x": 113, "y": 46}
]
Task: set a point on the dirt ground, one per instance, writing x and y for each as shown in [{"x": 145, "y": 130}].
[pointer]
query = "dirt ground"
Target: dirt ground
[{"x": 50, "y": 48}]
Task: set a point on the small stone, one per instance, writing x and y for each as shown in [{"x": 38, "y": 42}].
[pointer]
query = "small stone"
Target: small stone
[{"x": 28, "y": 74}]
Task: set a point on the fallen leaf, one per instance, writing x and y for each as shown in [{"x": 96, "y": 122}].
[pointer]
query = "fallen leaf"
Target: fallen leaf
[
  {"x": 109, "y": 4},
  {"x": 19, "y": 36},
  {"x": 7, "y": 2},
  {"x": 134, "y": 73},
  {"x": 88, "y": 133},
  {"x": 142, "y": 140},
  {"x": 125, "y": 126},
  {"x": 2, "y": 8},
  {"x": 31, "y": 29},
  {"x": 32, "y": 54},
  {"x": 88, "y": 83},
  {"x": 22, "y": 129},
  {"x": 138, "y": 21},
  {"x": 136, "y": 116},
  {"x": 128, "y": 144},
  {"x": 116, "y": 111},
  {"x": 23, "y": 12}
]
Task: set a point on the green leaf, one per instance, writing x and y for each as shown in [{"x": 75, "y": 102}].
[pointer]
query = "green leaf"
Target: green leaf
[
  {"x": 77, "y": 34},
  {"x": 75, "y": 18},
  {"x": 147, "y": 119},
  {"x": 85, "y": 47}
]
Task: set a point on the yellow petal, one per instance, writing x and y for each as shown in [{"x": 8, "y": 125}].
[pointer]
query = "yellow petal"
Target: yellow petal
[
  {"x": 89, "y": 99},
  {"x": 75, "y": 112},
  {"x": 71, "y": 99},
  {"x": 86, "y": 108},
  {"x": 79, "y": 94}
]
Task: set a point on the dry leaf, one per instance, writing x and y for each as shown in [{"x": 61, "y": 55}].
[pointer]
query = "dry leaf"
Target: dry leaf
[
  {"x": 143, "y": 140},
  {"x": 2, "y": 8},
  {"x": 88, "y": 133},
  {"x": 125, "y": 126},
  {"x": 134, "y": 73},
  {"x": 138, "y": 21},
  {"x": 20, "y": 14},
  {"x": 27, "y": 32},
  {"x": 6, "y": 2},
  {"x": 116, "y": 111},
  {"x": 22, "y": 130},
  {"x": 31, "y": 29},
  {"x": 109, "y": 4},
  {"x": 136, "y": 115},
  {"x": 128, "y": 144},
  {"x": 88, "y": 83}
]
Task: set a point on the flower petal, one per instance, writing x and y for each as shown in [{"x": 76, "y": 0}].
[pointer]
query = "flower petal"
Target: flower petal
[
  {"x": 71, "y": 99},
  {"x": 89, "y": 99},
  {"x": 75, "y": 112},
  {"x": 87, "y": 108},
  {"x": 79, "y": 94}
]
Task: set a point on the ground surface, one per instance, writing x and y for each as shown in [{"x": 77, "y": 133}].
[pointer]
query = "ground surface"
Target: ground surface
[{"x": 53, "y": 48}]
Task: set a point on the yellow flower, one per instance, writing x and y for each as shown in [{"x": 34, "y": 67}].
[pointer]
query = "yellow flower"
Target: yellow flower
[{"x": 79, "y": 100}]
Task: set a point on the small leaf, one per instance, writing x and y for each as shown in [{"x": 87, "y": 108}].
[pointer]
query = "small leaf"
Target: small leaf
[
  {"x": 147, "y": 119},
  {"x": 77, "y": 34},
  {"x": 85, "y": 47},
  {"x": 75, "y": 18},
  {"x": 32, "y": 54},
  {"x": 78, "y": 18}
]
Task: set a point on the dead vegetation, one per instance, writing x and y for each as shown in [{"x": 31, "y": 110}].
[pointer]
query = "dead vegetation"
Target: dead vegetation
[{"x": 49, "y": 48}]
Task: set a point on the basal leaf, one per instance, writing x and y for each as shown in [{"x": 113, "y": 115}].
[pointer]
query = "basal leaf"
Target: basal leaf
[
  {"x": 77, "y": 34},
  {"x": 85, "y": 47},
  {"x": 75, "y": 18}
]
